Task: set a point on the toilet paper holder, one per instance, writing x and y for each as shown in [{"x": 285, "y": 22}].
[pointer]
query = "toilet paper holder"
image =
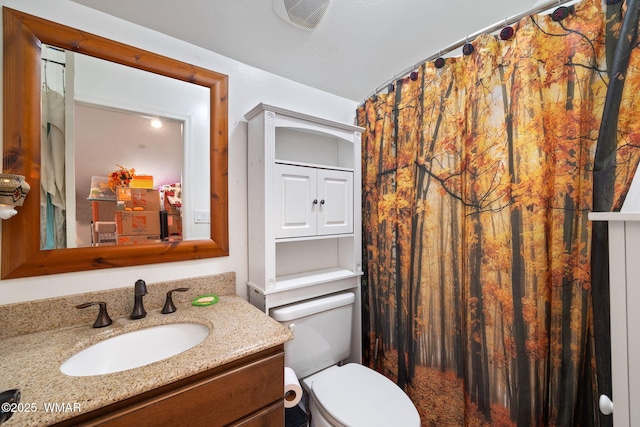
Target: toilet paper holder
[{"x": 292, "y": 389}]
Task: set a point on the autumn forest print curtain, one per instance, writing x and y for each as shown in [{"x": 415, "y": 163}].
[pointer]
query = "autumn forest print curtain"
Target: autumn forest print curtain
[{"x": 477, "y": 181}]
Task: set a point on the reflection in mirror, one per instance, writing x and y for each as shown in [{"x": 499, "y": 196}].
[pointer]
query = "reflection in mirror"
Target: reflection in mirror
[
  {"x": 106, "y": 138},
  {"x": 102, "y": 112},
  {"x": 22, "y": 255}
]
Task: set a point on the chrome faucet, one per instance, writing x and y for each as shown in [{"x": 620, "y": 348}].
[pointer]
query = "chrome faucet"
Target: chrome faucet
[{"x": 139, "y": 290}]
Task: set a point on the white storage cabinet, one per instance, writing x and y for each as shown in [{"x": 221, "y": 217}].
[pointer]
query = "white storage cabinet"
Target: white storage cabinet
[{"x": 304, "y": 192}]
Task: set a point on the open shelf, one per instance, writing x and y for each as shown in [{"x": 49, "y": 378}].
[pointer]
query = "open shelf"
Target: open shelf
[
  {"x": 318, "y": 257},
  {"x": 309, "y": 278},
  {"x": 295, "y": 146}
]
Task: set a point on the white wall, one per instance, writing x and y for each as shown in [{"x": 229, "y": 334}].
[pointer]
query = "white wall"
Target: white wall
[
  {"x": 248, "y": 86},
  {"x": 632, "y": 202}
]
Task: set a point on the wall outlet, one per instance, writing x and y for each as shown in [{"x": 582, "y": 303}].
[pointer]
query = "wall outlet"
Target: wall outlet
[{"x": 201, "y": 217}]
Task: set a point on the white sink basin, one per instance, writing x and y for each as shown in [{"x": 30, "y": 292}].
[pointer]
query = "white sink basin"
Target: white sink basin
[{"x": 134, "y": 349}]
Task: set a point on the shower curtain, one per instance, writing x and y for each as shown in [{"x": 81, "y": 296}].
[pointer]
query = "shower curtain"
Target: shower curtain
[{"x": 477, "y": 182}]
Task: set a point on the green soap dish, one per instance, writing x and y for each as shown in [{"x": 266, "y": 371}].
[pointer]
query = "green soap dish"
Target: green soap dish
[{"x": 205, "y": 300}]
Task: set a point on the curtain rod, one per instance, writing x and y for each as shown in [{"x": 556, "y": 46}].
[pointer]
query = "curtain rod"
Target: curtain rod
[
  {"x": 54, "y": 61},
  {"x": 490, "y": 29}
]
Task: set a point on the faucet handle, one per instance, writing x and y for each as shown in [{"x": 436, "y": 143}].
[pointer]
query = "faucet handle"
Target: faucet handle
[
  {"x": 169, "y": 307},
  {"x": 103, "y": 317}
]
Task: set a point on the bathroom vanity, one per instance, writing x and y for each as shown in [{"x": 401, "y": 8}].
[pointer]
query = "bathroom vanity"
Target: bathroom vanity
[
  {"x": 246, "y": 392},
  {"x": 233, "y": 377}
]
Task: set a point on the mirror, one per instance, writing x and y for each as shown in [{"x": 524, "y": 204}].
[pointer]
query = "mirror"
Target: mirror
[
  {"x": 105, "y": 114},
  {"x": 21, "y": 255}
]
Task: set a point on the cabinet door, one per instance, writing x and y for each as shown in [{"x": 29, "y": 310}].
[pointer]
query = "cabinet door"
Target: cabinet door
[
  {"x": 268, "y": 417},
  {"x": 294, "y": 194},
  {"x": 335, "y": 208},
  {"x": 250, "y": 390}
]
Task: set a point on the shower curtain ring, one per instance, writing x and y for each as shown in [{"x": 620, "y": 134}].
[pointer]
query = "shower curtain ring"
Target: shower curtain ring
[
  {"x": 414, "y": 74},
  {"x": 439, "y": 62},
  {"x": 467, "y": 49},
  {"x": 560, "y": 13},
  {"x": 507, "y": 32},
  {"x": 391, "y": 87}
]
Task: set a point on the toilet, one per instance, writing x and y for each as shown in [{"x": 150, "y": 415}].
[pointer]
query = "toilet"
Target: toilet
[{"x": 348, "y": 395}]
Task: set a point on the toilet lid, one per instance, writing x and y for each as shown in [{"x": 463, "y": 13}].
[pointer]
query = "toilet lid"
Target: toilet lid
[{"x": 355, "y": 395}]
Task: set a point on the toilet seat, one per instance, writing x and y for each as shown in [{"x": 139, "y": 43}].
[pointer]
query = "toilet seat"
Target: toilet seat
[{"x": 354, "y": 395}]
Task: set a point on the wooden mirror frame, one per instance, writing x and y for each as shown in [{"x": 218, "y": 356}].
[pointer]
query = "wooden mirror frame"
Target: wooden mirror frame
[{"x": 21, "y": 255}]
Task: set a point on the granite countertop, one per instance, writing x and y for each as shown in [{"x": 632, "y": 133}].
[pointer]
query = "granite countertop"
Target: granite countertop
[{"x": 31, "y": 362}]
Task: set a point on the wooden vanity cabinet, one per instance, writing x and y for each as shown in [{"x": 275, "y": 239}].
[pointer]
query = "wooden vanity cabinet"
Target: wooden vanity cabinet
[{"x": 247, "y": 392}]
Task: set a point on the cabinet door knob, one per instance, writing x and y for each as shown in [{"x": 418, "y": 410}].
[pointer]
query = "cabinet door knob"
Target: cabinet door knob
[
  {"x": 315, "y": 201},
  {"x": 605, "y": 404},
  {"x": 322, "y": 202}
]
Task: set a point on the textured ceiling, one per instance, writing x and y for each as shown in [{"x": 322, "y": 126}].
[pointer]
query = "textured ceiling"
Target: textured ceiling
[{"x": 357, "y": 47}]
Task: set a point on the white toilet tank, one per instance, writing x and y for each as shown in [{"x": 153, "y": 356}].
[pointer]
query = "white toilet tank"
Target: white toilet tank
[{"x": 322, "y": 331}]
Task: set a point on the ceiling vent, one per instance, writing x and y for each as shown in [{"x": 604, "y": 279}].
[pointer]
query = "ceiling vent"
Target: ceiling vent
[{"x": 301, "y": 13}]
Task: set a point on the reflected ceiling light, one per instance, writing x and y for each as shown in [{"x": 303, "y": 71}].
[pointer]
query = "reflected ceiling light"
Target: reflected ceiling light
[
  {"x": 156, "y": 123},
  {"x": 13, "y": 190},
  {"x": 304, "y": 14}
]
